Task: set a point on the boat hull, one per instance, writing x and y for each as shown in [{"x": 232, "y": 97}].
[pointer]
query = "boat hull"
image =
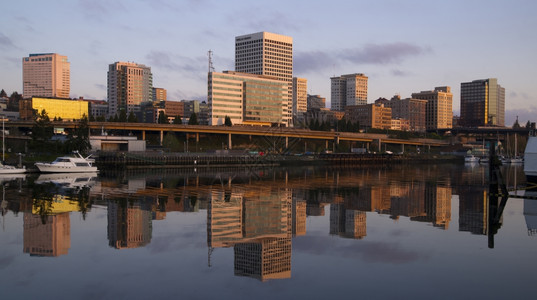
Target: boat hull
[
  {"x": 5, "y": 170},
  {"x": 55, "y": 168}
]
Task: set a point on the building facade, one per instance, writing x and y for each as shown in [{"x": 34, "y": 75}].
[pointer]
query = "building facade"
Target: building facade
[
  {"x": 129, "y": 85},
  {"x": 270, "y": 54},
  {"x": 246, "y": 99},
  {"x": 316, "y": 102},
  {"x": 46, "y": 75},
  {"x": 482, "y": 103},
  {"x": 370, "y": 115},
  {"x": 350, "y": 89},
  {"x": 300, "y": 95},
  {"x": 55, "y": 108},
  {"x": 412, "y": 110},
  {"x": 159, "y": 94},
  {"x": 439, "y": 107}
]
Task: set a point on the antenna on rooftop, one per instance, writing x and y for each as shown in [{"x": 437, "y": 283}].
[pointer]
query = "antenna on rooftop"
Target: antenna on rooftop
[{"x": 210, "y": 55}]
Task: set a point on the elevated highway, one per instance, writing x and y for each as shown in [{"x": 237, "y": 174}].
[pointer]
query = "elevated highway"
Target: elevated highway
[{"x": 282, "y": 132}]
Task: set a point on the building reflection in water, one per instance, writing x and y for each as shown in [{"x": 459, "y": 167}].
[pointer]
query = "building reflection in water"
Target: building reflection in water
[
  {"x": 129, "y": 223},
  {"x": 258, "y": 218},
  {"x": 258, "y": 224}
]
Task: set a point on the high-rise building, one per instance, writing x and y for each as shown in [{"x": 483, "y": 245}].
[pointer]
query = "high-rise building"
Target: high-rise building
[
  {"x": 482, "y": 103},
  {"x": 439, "y": 108},
  {"x": 246, "y": 99},
  {"x": 271, "y": 54},
  {"x": 413, "y": 110},
  {"x": 46, "y": 75},
  {"x": 129, "y": 85},
  {"x": 300, "y": 95},
  {"x": 350, "y": 89},
  {"x": 159, "y": 94}
]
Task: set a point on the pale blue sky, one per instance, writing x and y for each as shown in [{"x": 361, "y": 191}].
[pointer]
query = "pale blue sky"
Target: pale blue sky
[{"x": 402, "y": 46}]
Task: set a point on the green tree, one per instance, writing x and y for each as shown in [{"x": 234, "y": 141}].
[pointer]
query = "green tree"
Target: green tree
[
  {"x": 528, "y": 125},
  {"x": 122, "y": 116},
  {"x": 162, "y": 118},
  {"x": 177, "y": 120},
  {"x": 78, "y": 139},
  {"x": 132, "y": 118},
  {"x": 42, "y": 129},
  {"x": 3, "y": 94},
  {"x": 227, "y": 121},
  {"x": 193, "y": 119}
]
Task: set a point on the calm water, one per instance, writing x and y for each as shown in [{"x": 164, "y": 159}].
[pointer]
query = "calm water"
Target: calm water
[{"x": 420, "y": 232}]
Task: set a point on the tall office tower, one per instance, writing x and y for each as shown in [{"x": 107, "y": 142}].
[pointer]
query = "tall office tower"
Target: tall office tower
[
  {"x": 271, "y": 54},
  {"x": 159, "y": 94},
  {"x": 482, "y": 103},
  {"x": 439, "y": 108},
  {"x": 129, "y": 84},
  {"x": 350, "y": 89},
  {"x": 300, "y": 96},
  {"x": 246, "y": 99},
  {"x": 46, "y": 75}
]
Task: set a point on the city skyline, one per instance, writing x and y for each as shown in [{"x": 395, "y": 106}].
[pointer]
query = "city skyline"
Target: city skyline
[{"x": 402, "y": 47}]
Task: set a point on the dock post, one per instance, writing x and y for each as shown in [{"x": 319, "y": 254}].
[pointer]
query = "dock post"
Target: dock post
[
  {"x": 161, "y": 136},
  {"x": 229, "y": 141}
]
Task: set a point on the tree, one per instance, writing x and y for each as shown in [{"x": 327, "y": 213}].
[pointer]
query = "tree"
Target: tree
[
  {"x": 42, "y": 130},
  {"x": 193, "y": 119},
  {"x": 528, "y": 125},
  {"x": 177, "y": 120},
  {"x": 162, "y": 118},
  {"x": 132, "y": 118},
  {"x": 227, "y": 121},
  {"x": 78, "y": 139},
  {"x": 122, "y": 116},
  {"x": 3, "y": 94}
]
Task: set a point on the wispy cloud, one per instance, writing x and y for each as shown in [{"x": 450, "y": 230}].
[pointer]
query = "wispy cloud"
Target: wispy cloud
[
  {"x": 177, "y": 63},
  {"x": 378, "y": 54},
  {"x": 96, "y": 9},
  {"x": 5, "y": 42}
]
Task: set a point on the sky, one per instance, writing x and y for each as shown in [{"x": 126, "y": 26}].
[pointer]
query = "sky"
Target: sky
[{"x": 402, "y": 46}]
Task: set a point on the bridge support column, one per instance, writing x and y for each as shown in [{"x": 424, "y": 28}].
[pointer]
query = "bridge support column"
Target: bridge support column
[
  {"x": 143, "y": 135},
  {"x": 402, "y": 148},
  {"x": 229, "y": 141},
  {"x": 286, "y": 142},
  {"x": 197, "y": 137},
  {"x": 326, "y": 144},
  {"x": 161, "y": 136}
]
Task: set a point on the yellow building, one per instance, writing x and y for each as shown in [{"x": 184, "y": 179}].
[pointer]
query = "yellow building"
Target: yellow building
[{"x": 60, "y": 108}]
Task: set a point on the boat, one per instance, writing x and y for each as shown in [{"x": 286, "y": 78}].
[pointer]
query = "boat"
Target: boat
[
  {"x": 530, "y": 161},
  {"x": 471, "y": 159},
  {"x": 6, "y": 169},
  {"x": 68, "y": 164}
]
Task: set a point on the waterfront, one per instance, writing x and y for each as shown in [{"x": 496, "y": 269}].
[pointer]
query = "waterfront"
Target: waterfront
[{"x": 417, "y": 231}]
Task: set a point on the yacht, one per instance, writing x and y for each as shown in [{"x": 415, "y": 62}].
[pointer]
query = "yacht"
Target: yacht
[{"x": 68, "y": 164}]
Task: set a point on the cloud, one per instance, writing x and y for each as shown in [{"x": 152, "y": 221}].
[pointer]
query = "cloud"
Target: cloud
[
  {"x": 5, "y": 42},
  {"x": 524, "y": 115},
  {"x": 377, "y": 54},
  {"x": 176, "y": 63},
  {"x": 400, "y": 73},
  {"x": 96, "y": 9}
]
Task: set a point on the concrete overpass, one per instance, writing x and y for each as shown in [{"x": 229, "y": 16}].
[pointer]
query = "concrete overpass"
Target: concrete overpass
[{"x": 282, "y": 132}]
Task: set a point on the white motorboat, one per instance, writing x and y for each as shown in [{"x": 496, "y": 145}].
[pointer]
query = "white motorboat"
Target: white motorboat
[
  {"x": 68, "y": 164},
  {"x": 5, "y": 169},
  {"x": 471, "y": 159},
  {"x": 530, "y": 160}
]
